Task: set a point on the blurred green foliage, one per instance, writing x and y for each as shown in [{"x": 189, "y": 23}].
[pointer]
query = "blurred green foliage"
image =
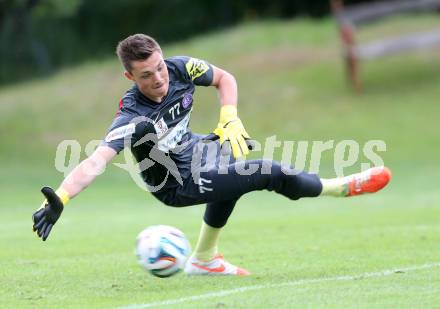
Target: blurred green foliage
[{"x": 39, "y": 36}]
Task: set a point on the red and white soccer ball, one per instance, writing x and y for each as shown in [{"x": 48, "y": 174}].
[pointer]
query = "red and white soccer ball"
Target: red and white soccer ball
[{"x": 162, "y": 250}]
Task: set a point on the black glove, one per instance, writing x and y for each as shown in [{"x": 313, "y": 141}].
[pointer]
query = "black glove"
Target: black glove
[{"x": 44, "y": 218}]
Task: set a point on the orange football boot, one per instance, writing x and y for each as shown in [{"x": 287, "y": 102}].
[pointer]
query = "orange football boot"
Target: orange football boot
[
  {"x": 369, "y": 181},
  {"x": 215, "y": 267}
]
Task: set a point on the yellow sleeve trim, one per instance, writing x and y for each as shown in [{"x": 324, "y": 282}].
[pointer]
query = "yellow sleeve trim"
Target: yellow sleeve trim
[{"x": 63, "y": 195}]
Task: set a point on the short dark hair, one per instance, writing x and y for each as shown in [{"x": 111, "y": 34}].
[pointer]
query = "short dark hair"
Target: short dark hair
[{"x": 136, "y": 47}]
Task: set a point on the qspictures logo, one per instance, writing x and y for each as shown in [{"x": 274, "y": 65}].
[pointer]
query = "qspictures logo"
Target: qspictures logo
[{"x": 298, "y": 155}]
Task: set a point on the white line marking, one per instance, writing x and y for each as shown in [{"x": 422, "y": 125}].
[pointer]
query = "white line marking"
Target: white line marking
[{"x": 277, "y": 285}]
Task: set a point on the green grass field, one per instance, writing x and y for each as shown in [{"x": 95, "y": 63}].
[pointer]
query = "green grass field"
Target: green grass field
[{"x": 311, "y": 253}]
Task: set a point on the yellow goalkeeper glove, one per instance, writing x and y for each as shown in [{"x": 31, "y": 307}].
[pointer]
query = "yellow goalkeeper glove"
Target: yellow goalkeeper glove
[{"x": 230, "y": 129}]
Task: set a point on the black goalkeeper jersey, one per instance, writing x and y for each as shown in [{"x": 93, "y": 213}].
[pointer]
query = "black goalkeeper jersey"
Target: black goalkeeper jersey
[{"x": 158, "y": 133}]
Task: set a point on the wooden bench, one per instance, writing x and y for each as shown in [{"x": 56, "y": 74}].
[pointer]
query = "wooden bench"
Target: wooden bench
[{"x": 352, "y": 17}]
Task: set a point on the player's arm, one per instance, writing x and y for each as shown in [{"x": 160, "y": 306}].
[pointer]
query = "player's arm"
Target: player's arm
[
  {"x": 226, "y": 86},
  {"x": 230, "y": 128},
  {"x": 85, "y": 173},
  {"x": 79, "y": 179}
]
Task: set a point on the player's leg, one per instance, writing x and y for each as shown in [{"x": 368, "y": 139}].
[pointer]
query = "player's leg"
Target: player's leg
[
  {"x": 369, "y": 181},
  {"x": 242, "y": 177},
  {"x": 216, "y": 216},
  {"x": 216, "y": 178},
  {"x": 205, "y": 259},
  {"x": 214, "y": 185}
]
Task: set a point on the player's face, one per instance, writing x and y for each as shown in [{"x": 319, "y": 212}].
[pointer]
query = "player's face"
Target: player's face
[{"x": 151, "y": 76}]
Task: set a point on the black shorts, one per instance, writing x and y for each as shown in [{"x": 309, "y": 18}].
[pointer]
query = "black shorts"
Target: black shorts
[{"x": 215, "y": 178}]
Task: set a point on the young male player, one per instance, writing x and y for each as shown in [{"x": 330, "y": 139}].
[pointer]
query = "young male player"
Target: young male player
[{"x": 182, "y": 168}]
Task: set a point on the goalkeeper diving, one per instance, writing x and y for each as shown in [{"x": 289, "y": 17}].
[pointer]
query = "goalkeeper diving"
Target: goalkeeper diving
[{"x": 182, "y": 168}]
